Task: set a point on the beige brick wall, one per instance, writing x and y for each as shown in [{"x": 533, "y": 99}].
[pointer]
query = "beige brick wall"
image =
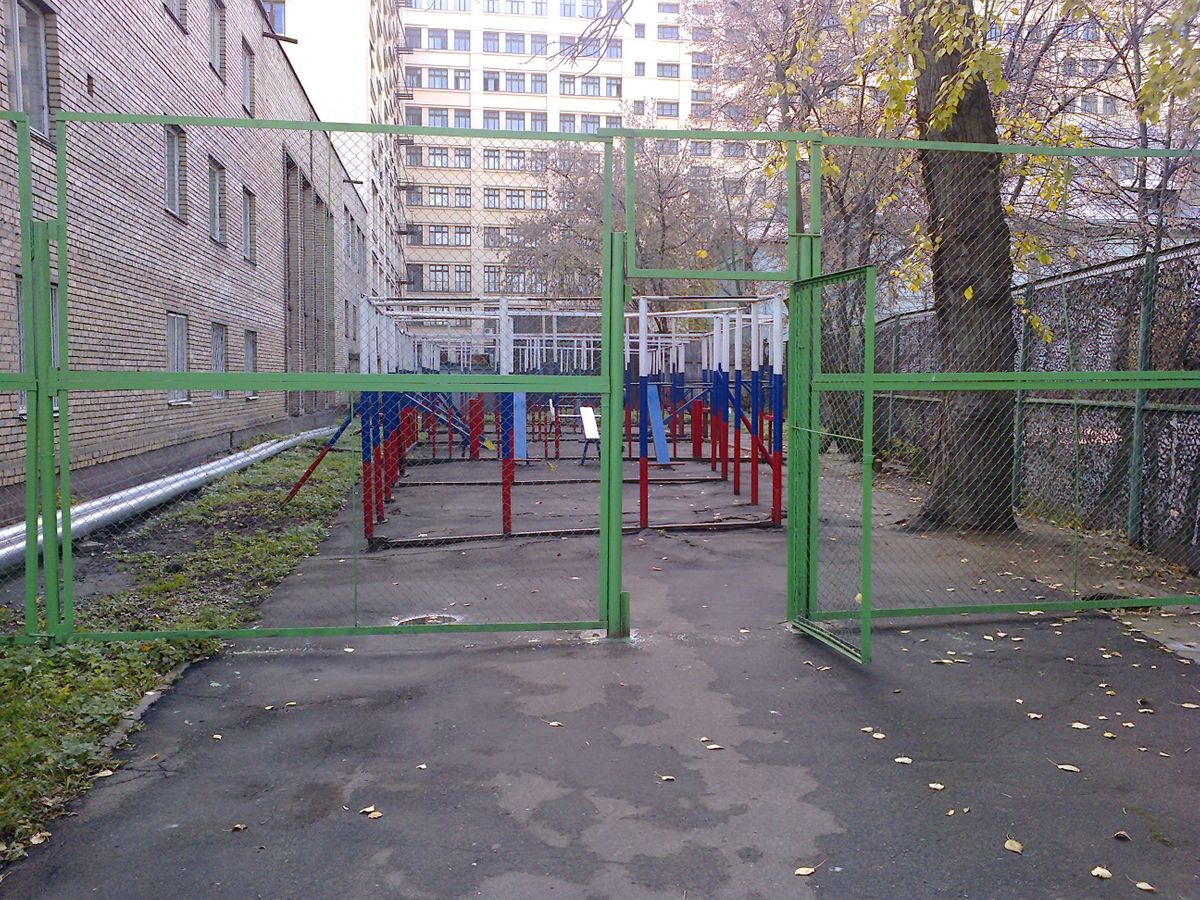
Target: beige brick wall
[{"x": 131, "y": 262}]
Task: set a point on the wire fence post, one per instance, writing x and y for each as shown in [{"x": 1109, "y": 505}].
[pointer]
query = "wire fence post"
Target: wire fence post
[
  {"x": 1133, "y": 526},
  {"x": 1019, "y": 404}
]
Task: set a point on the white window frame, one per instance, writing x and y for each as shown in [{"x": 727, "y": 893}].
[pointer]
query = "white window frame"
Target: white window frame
[
  {"x": 177, "y": 355},
  {"x": 249, "y": 65},
  {"x": 250, "y": 358},
  {"x": 249, "y": 226},
  {"x": 220, "y": 354},
  {"x": 216, "y": 201},
  {"x": 216, "y": 37},
  {"x": 39, "y": 119},
  {"x": 173, "y": 166}
]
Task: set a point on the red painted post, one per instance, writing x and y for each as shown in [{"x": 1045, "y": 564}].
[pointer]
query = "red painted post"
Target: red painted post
[
  {"x": 475, "y": 424},
  {"x": 697, "y": 429},
  {"x": 557, "y": 435},
  {"x": 737, "y": 454},
  {"x": 507, "y": 472},
  {"x": 629, "y": 428},
  {"x": 644, "y": 492},
  {"x": 777, "y": 489},
  {"x": 754, "y": 470},
  {"x": 433, "y": 430}
]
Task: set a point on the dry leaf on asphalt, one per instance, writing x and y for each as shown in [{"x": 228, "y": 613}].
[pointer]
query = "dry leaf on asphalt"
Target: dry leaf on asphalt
[
  {"x": 808, "y": 870},
  {"x": 238, "y": 827},
  {"x": 1101, "y": 872},
  {"x": 1067, "y": 767},
  {"x": 553, "y": 724},
  {"x": 666, "y": 777},
  {"x": 375, "y": 815},
  {"x": 713, "y": 747},
  {"x": 103, "y": 773},
  {"x": 936, "y": 786},
  {"x": 1033, "y": 715},
  {"x": 39, "y": 838},
  {"x": 879, "y": 735},
  {"x": 1122, "y": 836},
  {"x": 904, "y": 760},
  {"x": 1014, "y": 846},
  {"x": 1146, "y": 886},
  {"x": 1080, "y": 726},
  {"x": 366, "y": 810}
]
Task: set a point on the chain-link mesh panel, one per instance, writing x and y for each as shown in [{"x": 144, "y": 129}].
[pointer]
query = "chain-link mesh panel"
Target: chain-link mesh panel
[{"x": 13, "y": 473}]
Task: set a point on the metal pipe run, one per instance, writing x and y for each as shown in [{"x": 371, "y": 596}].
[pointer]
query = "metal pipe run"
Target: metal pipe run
[{"x": 92, "y": 515}]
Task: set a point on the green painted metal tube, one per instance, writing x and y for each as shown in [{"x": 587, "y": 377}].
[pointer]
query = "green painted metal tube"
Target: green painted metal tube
[
  {"x": 44, "y": 398},
  {"x": 1133, "y": 519},
  {"x": 102, "y": 380},
  {"x": 27, "y": 377}
]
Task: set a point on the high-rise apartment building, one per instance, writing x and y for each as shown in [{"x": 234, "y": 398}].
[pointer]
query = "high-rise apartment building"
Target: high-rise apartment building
[{"x": 530, "y": 66}]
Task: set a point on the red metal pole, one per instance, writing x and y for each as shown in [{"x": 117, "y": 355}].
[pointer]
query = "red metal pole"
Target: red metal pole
[
  {"x": 697, "y": 429},
  {"x": 433, "y": 434},
  {"x": 474, "y": 424},
  {"x": 644, "y": 492},
  {"x": 507, "y": 471},
  {"x": 754, "y": 471},
  {"x": 777, "y": 489},
  {"x": 557, "y": 434},
  {"x": 737, "y": 455},
  {"x": 629, "y": 428}
]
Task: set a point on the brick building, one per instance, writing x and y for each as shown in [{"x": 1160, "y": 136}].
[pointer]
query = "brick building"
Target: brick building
[{"x": 195, "y": 248}]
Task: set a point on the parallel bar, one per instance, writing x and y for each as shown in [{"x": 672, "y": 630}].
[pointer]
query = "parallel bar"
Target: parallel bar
[
  {"x": 710, "y": 274},
  {"x": 97, "y": 380}
]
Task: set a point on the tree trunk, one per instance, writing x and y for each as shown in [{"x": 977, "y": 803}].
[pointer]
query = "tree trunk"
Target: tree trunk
[{"x": 972, "y": 284}]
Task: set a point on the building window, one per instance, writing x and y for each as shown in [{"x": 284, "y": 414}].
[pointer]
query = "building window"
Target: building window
[
  {"x": 1110, "y": 105},
  {"x": 538, "y": 199},
  {"x": 216, "y": 37},
  {"x": 491, "y": 42},
  {"x": 413, "y": 155},
  {"x": 516, "y": 7},
  {"x": 537, "y": 160},
  {"x": 491, "y": 198},
  {"x": 412, "y": 38},
  {"x": 462, "y": 278},
  {"x": 639, "y": 107},
  {"x": 175, "y": 8},
  {"x": 462, "y": 197},
  {"x": 462, "y": 40},
  {"x": 514, "y": 199},
  {"x": 177, "y": 353},
  {"x": 589, "y": 86},
  {"x": 439, "y": 235},
  {"x": 537, "y": 121},
  {"x": 589, "y": 124},
  {"x": 491, "y": 159},
  {"x": 537, "y": 84},
  {"x": 539, "y": 8},
  {"x": 669, "y": 8},
  {"x": 439, "y": 277},
  {"x": 437, "y": 39},
  {"x": 416, "y": 235},
  {"x": 491, "y": 279},
  {"x": 566, "y": 8},
  {"x": 1087, "y": 103},
  {"x": 28, "y": 87},
  {"x": 491, "y": 6},
  {"x": 566, "y": 122},
  {"x": 462, "y": 118},
  {"x": 733, "y": 149},
  {"x": 439, "y": 157},
  {"x": 612, "y": 87},
  {"x": 514, "y": 82},
  {"x": 668, "y": 32},
  {"x": 247, "y": 79},
  {"x": 639, "y": 31},
  {"x": 462, "y": 79},
  {"x": 439, "y": 79},
  {"x": 216, "y": 201},
  {"x": 413, "y": 116},
  {"x": 416, "y": 276},
  {"x": 615, "y": 49},
  {"x": 537, "y": 44},
  {"x": 176, "y": 172},
  {"x": 219, "y": 355},
  {"x": 439, "y": 118},
  {"x": 666, "y": 146},
  {"x": 566, "y": 84},
  {"x": 491, "y": 81},
  {"x": 668, "y": 70},
  {"x": 667, "y": 108},
  {"x": 249, "y": 226},
  {"x": 462, "y": 235},
  {"x": 439, "y": 196},
  {"x": 589, "y": 9},
  {"x": 491, "y": 236},
  {"x": 412, "y": 77},
  {"x": 639, "y": 68},
  {"x": 250, "y": 356},
  {"x": 414, "y": 196},
  {"x": 700, "y": 148},
  {"x": 514, "y": 43},
  {"x": 491, "y": 119},
  {"x": 514, "y": 121},
  {"x": 514, "y": 160},
  {"x": 514, "y": 279}
]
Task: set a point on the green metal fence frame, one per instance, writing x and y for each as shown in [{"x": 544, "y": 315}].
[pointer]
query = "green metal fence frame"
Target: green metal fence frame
[{"x": 49, "y": 472}]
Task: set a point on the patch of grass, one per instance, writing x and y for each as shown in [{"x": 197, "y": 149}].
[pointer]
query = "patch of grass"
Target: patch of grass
[{"x": 231, "y": 543}]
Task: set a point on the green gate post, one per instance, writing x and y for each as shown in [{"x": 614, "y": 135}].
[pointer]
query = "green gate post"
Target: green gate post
[
  {"x": 1019, "y": 410},
  {"x": 44, "y": 400},
  {"x": 1133, "y": 524},
  {"x": 27, "y": 337},
  {"x": 614, "y": 603}
]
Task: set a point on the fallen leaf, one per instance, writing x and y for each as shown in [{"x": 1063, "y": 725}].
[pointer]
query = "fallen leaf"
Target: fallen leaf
[
  {"x": 1014, "y": 846},
  {"x": 1033, "y": 715},
  {"x": 1122, "y": 836},
  {"x": 238, "y": 827},
  {"x": 1146, "y": 886},
  {"x": 103, "y": 773},
  {"x": 713, "y": 747},
  {"x": 936, "y": 786},
  {"x": 879, "y": 735},
  {"x": 1067, "y": 767},
  {"x": 950, "y": 812},
  {"x": 290, "y": 703},
  {"x": 903, "y": 760},
  {"x": 1101, "y": 872},
  {"x": 422, "y": 766},
  {"x": 554, "y": 724},
  {"x": 1190, "y": 705},
  {"x": 347, "y": 649},
  {"x": 666, "y": 777},
  {"x": 1080, "y": 726},
  {"x": 216, "y": 737},
  {"x": 867, "y": 729},
  {"x": 1109, "y": 735},
  {"x": 268, "y": 708},
  {"x": 366, "y": 810},
  {"x": 375, "y": 815},
  {"x": 808, "y": 870}
]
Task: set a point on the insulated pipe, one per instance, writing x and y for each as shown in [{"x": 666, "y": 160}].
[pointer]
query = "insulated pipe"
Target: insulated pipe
[{"x": 92, "y": 515}]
